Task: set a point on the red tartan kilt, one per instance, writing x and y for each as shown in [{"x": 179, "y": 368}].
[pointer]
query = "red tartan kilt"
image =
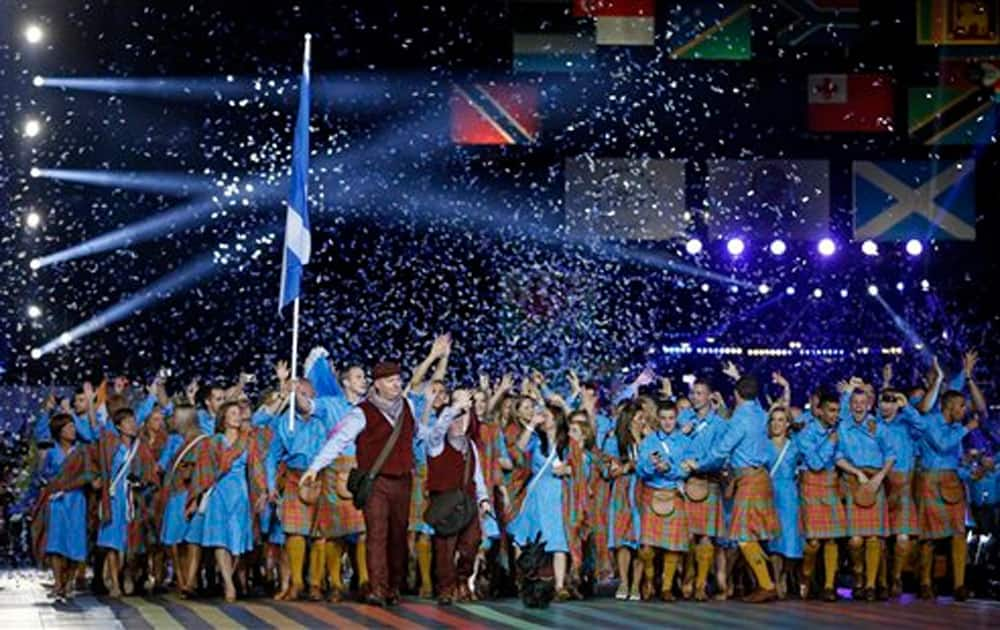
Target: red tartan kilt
[
  {"x": 297, "y": 518},
  {"x": 663, "y": 532},
  {"x": 336, "y": 517},
  {"x": 867, "y": 521},
  {"x": 903, "y": 518},
  {"x": 754, "y": 517},
  {"x": 705, "y": 518},
  {"x": 938, "y": 519},
  {"x": 821, "y": 510}
]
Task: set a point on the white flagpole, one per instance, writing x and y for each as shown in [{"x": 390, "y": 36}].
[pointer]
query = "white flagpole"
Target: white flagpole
[{"x": 295, "y": 304}]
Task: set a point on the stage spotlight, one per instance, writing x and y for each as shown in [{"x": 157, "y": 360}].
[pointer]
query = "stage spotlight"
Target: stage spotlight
[
  {"x": 899, "y": 286},
  {"x": 925, "y": 285},
  {"x": 736, "y": 247},
  {"x": 778, "y": 247},
  {"x": 36, "y": 353},
  {"x": 790, "y": 291},
  {"x": 914, "y": 247},
  {"x": 65, "y": 338},
  {"x": 34, "y": 34},
  {"x": 817, "y": 293},
  {"x": 693, "y": 247},
  {"x": 38, "y": 81},
  {"x": 32, "y": 220},
  {"x": 34, "y": 312},
  {"x": 35, "y": 264},
  {"x": 843, "y": 293},
  {"x": 32, "y": 128},
  {"x": 827, "y": 247},
  {"x": 705, "y": 287},
  {"x": 869, "y": 248},
  {"x": 35, "y": 172},
  {"x": 734, "y": 289},
  {"x": 872, "y": 290},
  {"x": 764, "y": 289}
]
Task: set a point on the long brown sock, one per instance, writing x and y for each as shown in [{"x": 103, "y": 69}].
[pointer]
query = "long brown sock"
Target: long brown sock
[
  {"x": 757, "y": 561},
  {"x": 959, "y": 554},
  {"x": 926, "y": 562},
  {"x": 809, "y": 555},
  {"x": 296, "y": 546},
  {"x": 830, "y": 558},
  {"x": 424, "y": 564},
  {"x": 360, "y": 556},
  {"x": 334, "y": 560},
  {"x": 317, "y": 563},
  {"x": 902, "y": 551},
  {"x": 670, "y": 561},
  {"x": 704, "y": 553},
  {"x": 873, "y": 553}
]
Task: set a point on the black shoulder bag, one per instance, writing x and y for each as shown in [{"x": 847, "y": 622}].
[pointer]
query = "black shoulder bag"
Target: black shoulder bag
[
  {"x": 451, "y": 511},
  {"x": 361, "y": 482}
]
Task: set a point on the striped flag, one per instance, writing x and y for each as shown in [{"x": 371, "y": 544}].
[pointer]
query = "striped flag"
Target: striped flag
[
  {"x": 960, "y": 107},
  {"x": 621, "y": 22},
  {"x": 717, "y": 30},
  {"x": 298, "y": 243},
  {"x": 549, "y": 36},
  {"x": 494, "y": 113}
]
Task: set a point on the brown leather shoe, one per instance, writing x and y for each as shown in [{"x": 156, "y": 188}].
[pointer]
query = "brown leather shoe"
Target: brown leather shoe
[
  {"x": 761, "y": 596},
  {"x": 315, "y": 594},
  {"x": 667, "y": 595},
  {"x": 700, "y": 595},
  {"x": 829, "y": 595},
  {"x": 926, "y": 592},
  {"x": 336, "y": 596},
  {"x": 961, "y": 594}
]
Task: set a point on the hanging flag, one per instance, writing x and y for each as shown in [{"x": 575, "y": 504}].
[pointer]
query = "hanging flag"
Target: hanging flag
[
  {"x": 809, "y": 23},
  {"x": 961, "y": 109},
  {"x": 709, "y": 29},
  {"x": 926, "y": 200},
  {"x": 958, "y": 22},
  {"x": 850, "y": 102},
  {"x": 550, "y": 37},
  {"x": 298, "y": 243},
  {"x": 629, "y": 199},
  {"x": 786, "y": 198},
  {"x": 494, "y": 113},
  {"x": 620, "y": 22}
]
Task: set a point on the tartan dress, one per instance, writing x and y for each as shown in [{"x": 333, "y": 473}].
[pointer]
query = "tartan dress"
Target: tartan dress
[{"x": 123, "y": 516}]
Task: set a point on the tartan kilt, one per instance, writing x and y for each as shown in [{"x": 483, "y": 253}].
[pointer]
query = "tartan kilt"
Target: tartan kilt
[
  {"x": 705, "y": 517},
  {"x": 337, "y": 517},
  {"x": 620, "y": 519},
  {"x": 754, "y": 517},
  {"x": 297, "y": 518},
  {"x": 821, "y": 510},
  {"x": 903, "y": 518},
  {"x": 938, "y": 519},
  {"x": 663, "y": 532},
  {"x": 866, "y": 521},
  {"x": 418, "y": 502}
]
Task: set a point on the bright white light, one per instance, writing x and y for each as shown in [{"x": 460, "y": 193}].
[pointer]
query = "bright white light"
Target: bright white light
[
  {"x": 764, "y": 289},
  {"x": 32, "y": 219},
  {"x": 705, "y": 287},
  {"x": 34, "y": 312},
  {"x": 872, "y": 290},
  {"x": 869, "y": 248},
  {"x": 914, "y": 247},
  {"x": 36, "y": 353},
  {"x": 34, "y": 34},
  {"x": 38, "y": 81},
  {"x": 790, "y": 291},
  {"x": 35, "y": 263},
  {"x": 736, "y": 246},
  {"x": 827, "y": 247},
  {"x": 899, "y": 286},
  {"x": 694, "y": 247},
  {"x": 843, "y": 293},
  {"x": 734, "y": 289},
  {"x": 817, "y": 293},
  {"x": 778, "y": 247},
  {"x": 65, "y": 338},
  {"x": 35, "y": 172},
  {"x": 925, "y": 285},
  {"x": 32, "y": 128}
]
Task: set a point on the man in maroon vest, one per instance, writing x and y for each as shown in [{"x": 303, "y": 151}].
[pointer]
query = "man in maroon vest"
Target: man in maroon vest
[{"x": 369, "y": 425}]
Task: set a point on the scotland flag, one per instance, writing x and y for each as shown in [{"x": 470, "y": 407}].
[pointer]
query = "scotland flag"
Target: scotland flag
[
  {"x": 297, "y": 240},
  {"x": 914, "y": 199}
]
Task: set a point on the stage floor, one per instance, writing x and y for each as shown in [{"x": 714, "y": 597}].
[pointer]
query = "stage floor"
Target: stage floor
[{"x": 24, "y": 605}]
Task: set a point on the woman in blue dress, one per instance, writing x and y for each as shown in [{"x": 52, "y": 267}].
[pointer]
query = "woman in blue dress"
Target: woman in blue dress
[
  {"x": 545, "y": 442},
  {"x": 227, "y": 482},
  {"x": 66, "y": 516},
  {"x": 786, "y": 550}
]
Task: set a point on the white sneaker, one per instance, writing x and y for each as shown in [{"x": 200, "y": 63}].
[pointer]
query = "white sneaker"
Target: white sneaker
[
  {"x": 622, "y": 592},
  {"x": 634, "y": 596}
]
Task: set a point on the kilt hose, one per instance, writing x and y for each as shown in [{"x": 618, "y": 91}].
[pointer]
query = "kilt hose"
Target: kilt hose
[
  {"x": 821, "y": 513},
  {"x": 938, "y": 518},
  {"x": 754, "y": 517},
  {"x": 663, "y": 532}
]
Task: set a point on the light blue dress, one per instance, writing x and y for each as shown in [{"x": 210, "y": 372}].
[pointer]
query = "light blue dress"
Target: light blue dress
[
  {"x": 114, "y": 533},
  {"x": 542, "y": 509},
  {"x": 66, "y": 527},
  {"x": 790, "y": 542},
  {"x": 226, "y": 521}
]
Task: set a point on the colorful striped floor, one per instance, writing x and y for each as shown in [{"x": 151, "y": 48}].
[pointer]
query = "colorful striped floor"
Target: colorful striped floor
[{"x": 24, "y": 606}]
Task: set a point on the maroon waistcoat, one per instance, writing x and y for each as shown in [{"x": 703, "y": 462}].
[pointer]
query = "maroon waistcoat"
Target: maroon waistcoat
[
  {"x": 376, "y": 433},
  {"x": 445, "y": 471}
]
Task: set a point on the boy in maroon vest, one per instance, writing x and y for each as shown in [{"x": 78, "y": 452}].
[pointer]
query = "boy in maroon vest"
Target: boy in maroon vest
[
  {"x": 370, "y": 425},
  {"x": 450, "y": 441}
]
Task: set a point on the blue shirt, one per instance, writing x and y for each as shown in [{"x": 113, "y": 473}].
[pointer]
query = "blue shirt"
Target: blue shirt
[
  {"x": 206, "y": 422},
  {"x": 174, "y": 442},
  {"x": 818, "y": 452},
  {"x": 744, "y": 441},
  {"x": 672, "y": 448},
  {"x": 984, "y": 491},
  {"x": 902, "y": 434},
  {"x": 941, "y": 444},
  {"x": 707, "y": 432},
  {"x": 296, "y": 448},
  {"x": 864, "y": 443}
]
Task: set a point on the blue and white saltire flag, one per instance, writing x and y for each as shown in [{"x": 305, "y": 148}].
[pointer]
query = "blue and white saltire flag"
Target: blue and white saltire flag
[{"x": 297, "y": 239}]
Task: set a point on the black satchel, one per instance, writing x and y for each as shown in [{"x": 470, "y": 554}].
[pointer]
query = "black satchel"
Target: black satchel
[
  {"x": 451, "y": 511},
  {"x": 361, "y": 482}
]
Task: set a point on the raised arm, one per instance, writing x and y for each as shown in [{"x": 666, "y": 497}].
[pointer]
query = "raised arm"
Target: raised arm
[
  {"x": 930, "y": 398},
  {"x": 420, "y": 372},
  {"x": 968, "y": 368}
]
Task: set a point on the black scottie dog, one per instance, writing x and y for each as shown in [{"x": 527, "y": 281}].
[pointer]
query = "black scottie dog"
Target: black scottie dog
[{"x": 537, "y": 584}]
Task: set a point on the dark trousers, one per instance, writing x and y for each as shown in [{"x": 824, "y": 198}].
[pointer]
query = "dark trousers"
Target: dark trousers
[
  {"x": 449, "y": 571},
  {"x": 387, "y": 516}
]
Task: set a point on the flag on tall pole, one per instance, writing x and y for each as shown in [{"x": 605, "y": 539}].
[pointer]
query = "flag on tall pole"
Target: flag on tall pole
[{"x": 298, "y": 243}]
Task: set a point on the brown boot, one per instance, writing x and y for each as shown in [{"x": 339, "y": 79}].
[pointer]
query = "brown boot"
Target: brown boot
[
  {"x": 315, "y": 594},
  {"x": 700, "y": 595},
  {"x": 667, "y": 595},
  {"x": 336, "y": 596},
  {"x": 926, "y": 592},
  {"x": 761, "y": 596}
]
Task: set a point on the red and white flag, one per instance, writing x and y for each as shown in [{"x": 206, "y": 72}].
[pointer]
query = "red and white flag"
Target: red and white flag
[
  {"x": 620, "y": 22},
  {"x": 861, "y": 103}
]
